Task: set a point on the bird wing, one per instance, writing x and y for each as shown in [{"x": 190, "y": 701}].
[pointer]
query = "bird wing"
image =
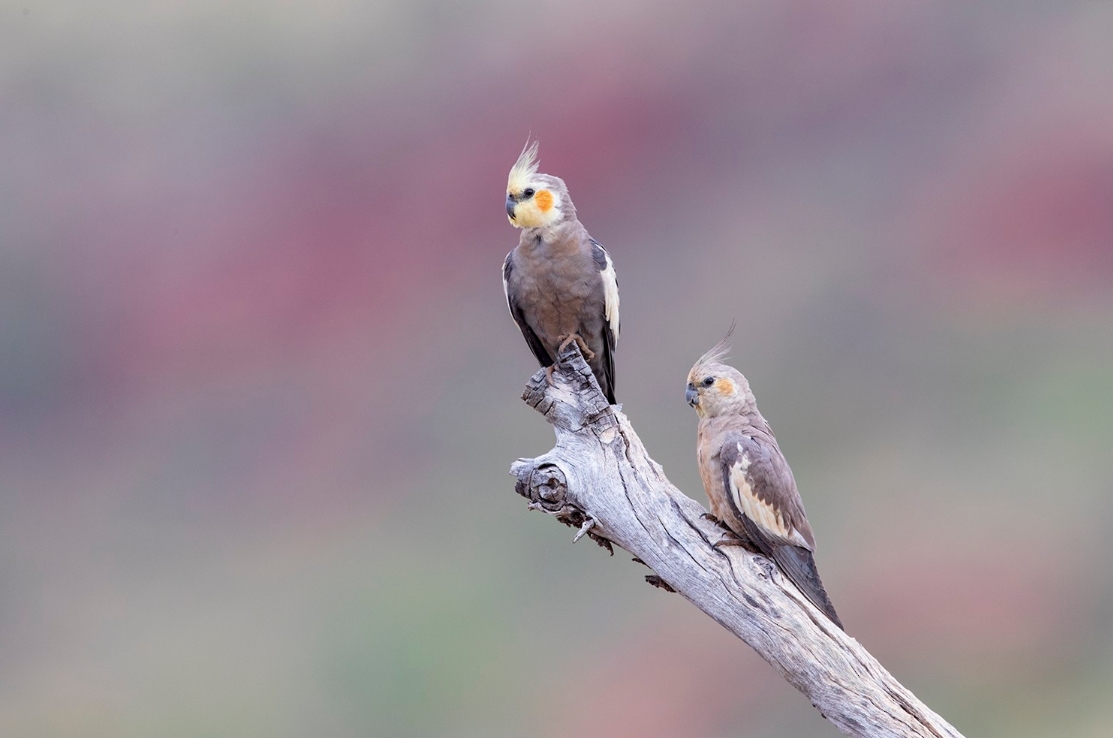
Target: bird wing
[
  {"x": 761, "y": 486},
  {"x": 610, "y": 309},
  {"x": 762, "y": 491},
  {"x": 519, "y": 317}
]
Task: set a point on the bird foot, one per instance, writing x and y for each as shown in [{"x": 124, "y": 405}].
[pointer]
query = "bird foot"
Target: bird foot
[
  {"x": 730, "y": 538},
  {"x": 589, "y": 355},
  {"x": 549, "y": 374},
  {"x": 712, "y": 518}
]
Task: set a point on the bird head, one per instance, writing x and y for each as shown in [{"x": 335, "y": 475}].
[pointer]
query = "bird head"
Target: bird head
[
  {"x": 535, "y": 200},
  {"x": 715, "y": 388}
]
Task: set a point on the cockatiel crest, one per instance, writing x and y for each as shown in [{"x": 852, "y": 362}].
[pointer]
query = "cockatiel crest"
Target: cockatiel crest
[{"x": 524, "y": 168}]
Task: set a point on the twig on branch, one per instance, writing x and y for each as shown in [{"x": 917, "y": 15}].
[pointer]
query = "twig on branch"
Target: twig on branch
[{"x": 600, "y": 480}]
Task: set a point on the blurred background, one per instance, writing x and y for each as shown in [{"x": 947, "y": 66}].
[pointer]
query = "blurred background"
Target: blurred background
[{"x": 259, "y": 388}]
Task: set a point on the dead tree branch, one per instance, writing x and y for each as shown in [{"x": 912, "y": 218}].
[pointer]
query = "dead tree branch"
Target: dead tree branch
[{"x": 600, "y": 480}]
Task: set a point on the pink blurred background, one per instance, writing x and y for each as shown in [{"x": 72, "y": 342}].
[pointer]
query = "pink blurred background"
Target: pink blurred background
[{"x": 259, "y": 389}]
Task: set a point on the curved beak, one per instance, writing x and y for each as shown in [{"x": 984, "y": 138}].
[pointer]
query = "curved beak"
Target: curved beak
[
  {"x": 510, "y": 203},
  {"x": 692, "y": 396}
]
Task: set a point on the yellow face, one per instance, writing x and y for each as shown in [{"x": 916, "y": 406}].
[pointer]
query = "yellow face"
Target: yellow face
[{"x": 531, "y": 207}]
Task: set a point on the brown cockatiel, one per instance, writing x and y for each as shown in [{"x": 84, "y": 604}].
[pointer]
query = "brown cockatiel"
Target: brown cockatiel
[
  {"x": 747, "y": 480},
  {"x": 560, "y": 283}
]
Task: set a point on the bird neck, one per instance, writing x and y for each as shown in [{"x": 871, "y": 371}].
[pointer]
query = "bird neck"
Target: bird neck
[
  {"x": 555, "y": 236},
  {"x": 746, "y": 421},
  {"x": 716, "y": 423}
]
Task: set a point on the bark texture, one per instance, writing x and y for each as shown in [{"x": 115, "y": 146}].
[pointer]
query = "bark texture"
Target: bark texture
[{"x": 600, "y": 480}]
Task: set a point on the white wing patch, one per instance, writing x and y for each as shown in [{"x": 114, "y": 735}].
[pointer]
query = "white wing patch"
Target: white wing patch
[
  {"x": 758, "y": 510},
  {"x": 610, "y": 295}
]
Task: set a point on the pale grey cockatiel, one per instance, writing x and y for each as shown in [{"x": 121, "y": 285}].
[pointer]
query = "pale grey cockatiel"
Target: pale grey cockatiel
[
  {"x": 747, "y": 480},
  {"x": 560, "y": 283}
]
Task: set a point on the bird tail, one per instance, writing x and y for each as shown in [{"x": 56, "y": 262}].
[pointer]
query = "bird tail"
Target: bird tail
[
  {"x": 799, "y": 564},
  {"x": 607, "y": 385}
]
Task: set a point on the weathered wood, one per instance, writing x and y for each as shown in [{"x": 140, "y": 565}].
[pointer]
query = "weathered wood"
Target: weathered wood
[{"x": 600, "y": 479}]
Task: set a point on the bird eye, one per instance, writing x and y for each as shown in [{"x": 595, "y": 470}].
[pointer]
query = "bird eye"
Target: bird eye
[
  {"x": 708, "y": 381},
  {"x": 527, "y": 192}
]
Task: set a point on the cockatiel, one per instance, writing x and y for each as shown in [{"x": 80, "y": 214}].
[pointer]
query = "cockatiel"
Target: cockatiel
[
  {"x": 560, "y": 282},
  {"x": 747, "y": 480}
]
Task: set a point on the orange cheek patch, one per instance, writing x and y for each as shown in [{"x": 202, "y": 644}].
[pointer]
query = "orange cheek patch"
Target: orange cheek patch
[
  {"x": 544, "y": 200},
  {"x": 725, "y": 386}
]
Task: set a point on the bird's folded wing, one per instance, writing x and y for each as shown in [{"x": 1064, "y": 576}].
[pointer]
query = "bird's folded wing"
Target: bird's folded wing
[
  {"x": 610, "y": 308},
  {"x": 610, "y": 290},
  {"x": 760, "y": 486},
  {"x": 763, "y": 493},
  {"x": 512, "y": 302}
]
